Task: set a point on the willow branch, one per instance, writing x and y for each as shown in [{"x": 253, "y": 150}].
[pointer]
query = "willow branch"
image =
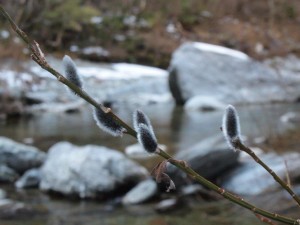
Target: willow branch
[
  {"x": 239, "y": 145},
  {"x": 38, "y": 57},
  {"x": 231, "y": 197}
]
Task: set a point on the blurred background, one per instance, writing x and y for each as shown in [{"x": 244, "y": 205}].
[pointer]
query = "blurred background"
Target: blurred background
[
  {"x": 152, "y": 55},
  {"x": 147, "y": 32}
]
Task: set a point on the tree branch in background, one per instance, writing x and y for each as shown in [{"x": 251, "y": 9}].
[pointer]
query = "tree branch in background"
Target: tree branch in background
[{"x": 38, "y": 57}]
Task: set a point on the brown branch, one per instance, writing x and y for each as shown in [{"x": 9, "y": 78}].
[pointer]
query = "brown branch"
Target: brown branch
[
  {"x": 38, "y": 57},
  {"x": 239, "y": 145}
]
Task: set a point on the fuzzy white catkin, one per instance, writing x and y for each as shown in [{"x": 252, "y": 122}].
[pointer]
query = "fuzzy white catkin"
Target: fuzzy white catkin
[
  {"x": 145, "y": 133},
  {"x": 231, "y": 125},
  {"x": 71, "y": 71},
  {"x": 141, "y": 118},
  {"x": 107, "y": 123},
  {"x": 146, "y": 138}
]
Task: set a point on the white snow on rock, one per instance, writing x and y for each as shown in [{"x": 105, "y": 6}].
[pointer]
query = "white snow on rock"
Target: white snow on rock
[
  {"x": 105, "y": 71},
  {"x": 4, "y": 34},
  {"x": 290, "y": 117},
  {"x": 95, "y": 50},
  {"x": 139, "y": 70},
  {"x": 121, "y": 71},
  {"x": 14, "y": 79},
  {"x": 120, "y": 82},
  {"x": 96, "y": 19},
  {"x": 227, "y": 75},
  {"x": 204, "y": 103},
  {"x": 88, "y": 171},
  {"x": 220, "y": 50}
]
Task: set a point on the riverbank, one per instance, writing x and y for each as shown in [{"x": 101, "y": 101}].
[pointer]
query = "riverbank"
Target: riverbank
[{"x": 148, "y": 33}]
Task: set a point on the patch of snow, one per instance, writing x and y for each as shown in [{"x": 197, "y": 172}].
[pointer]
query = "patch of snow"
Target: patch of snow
[
  {"x": 121, "y": 71},
  {"x": 14, "y": 79},
  {"x": 259, "y": 48},
  {"x": 130, "y": 21},
  {"x": 290, "y": 117},
  {"x": 96, "y": 19},
  {"x": 115, "y": 71},
  {"x": 221, "y": 50},
  {"x": 38, "y": 71},
  {"x": 134, "y": 70},
  {"x": 95, "y": 50},
  {"x": 25, "y": 77},
  {"x": 4, "y": 34},
  {"x": 120, "y": 37},
  {"x": 171, "y": 29},
  {"x": 74, "y": 48},
  {"x": 204, "y": 103}
]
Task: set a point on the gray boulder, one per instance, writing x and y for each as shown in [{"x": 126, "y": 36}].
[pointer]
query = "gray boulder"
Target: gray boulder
[
  {"x": 19, "y": 157},
  {"x": 203, "y": 103},
  {"x": 7, "y": 175},
  {"x": 141, "y": 193},
  {"x": 30, "y": 179},
  {"x": 15, "y": 210},
  {"x": 210, "y": 158},
  {"x": 251, "y": 179},
  {"x": 228, "y": 76},
  {"x": 2, "y": 194},
  {"x": 89, "y": 171}
]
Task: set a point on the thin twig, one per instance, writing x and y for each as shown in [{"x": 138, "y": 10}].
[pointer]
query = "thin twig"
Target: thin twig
[
  {"x": 239, "y": 145},
  {"x": 233, "y": 198},
  {"x": 287, "y": 175},
  {"x": 38, "y": 57}
]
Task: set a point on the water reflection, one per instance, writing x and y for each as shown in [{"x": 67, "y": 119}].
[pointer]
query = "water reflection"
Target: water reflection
[{"x": 173, "y": 126}]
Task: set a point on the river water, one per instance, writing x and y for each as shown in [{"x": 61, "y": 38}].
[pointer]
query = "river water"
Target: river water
[{"x": 174, "y": 127}]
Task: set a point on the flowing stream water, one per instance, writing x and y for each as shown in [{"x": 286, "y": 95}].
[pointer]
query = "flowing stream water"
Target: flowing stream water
[{"x": 174, "y": 127}]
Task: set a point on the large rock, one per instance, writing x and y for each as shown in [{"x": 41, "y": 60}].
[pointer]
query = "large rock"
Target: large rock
[
  {"x": 251, "y": 179},
  {"x": 30, "y": 179},
  {"x": 89, "y": 171},
  {"x": 203, "y": 103},
  {"x": 7, "y": 175},
  {"x": 228, "y": 76},
  {"x": 15, "y": 210},
  {"x": 119, "y": 83},
  {"x": 141, "y": 193},
  {"x": 210, "y": 158},
  {"x": 19, "y": 157}
]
